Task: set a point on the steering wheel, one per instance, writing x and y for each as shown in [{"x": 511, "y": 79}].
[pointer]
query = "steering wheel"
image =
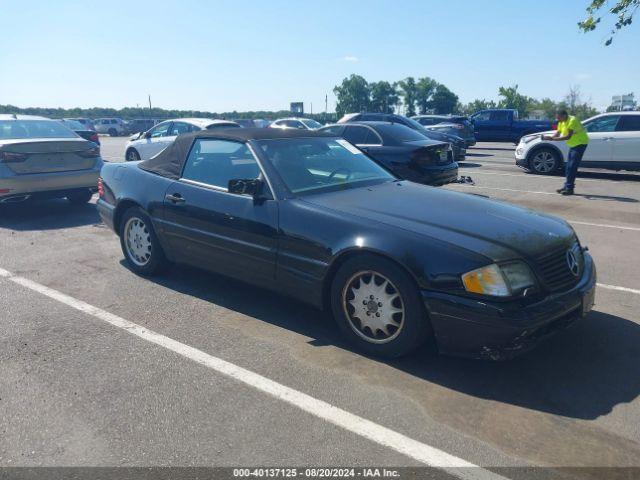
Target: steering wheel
[{"x": 338, "y": 170}]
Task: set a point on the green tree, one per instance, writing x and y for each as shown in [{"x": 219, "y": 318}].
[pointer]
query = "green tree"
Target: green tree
[
  {"x": 546, "y": 105},
  {"x": 408, "y": 91},
  {"x": 352, "y": 95},
  {"x": 425, "y": 87},
  {"x": 622, "y": 9},
  {"x": 511, "y": 98},
  {"x": 384, "y": 97},
  {"x": 477, "y": 105},
  {"x": 443, "y": 100}
]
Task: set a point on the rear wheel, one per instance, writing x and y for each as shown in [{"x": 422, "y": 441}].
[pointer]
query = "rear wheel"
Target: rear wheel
[
  {"x": 113, "y": 132},
  {"x": 80, "y": 198},
  {"x": 139, "y": 243},
  {"x": 132, "y": 155},
  {"x": 544, "y": 161},
  {"x": 378, "y": 307}
]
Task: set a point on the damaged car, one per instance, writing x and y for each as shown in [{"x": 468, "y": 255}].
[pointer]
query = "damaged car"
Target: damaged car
[{"x": 311, "y": 216}]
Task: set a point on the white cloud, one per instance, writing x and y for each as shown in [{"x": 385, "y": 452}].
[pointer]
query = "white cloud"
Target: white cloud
[{"x": 351, "y": 58}]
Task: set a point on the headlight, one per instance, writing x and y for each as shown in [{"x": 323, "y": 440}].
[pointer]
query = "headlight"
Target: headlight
[
  {"x": 499, "y": 281},
  {"x": 529, "y": 138}
]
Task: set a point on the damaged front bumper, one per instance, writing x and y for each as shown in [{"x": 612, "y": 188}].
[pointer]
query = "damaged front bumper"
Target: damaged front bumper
[{"x": 499, "y": 331}]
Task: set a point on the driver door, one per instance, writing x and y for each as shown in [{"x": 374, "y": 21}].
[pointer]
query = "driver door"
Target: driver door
[
  {"x": 601, "y": 132},
  {"x": 207, "y": 226}
]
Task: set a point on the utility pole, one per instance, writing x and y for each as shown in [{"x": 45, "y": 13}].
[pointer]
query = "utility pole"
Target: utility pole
[
  {"x": 311, "y": 108},
  {"x": 149, "y": 105}
]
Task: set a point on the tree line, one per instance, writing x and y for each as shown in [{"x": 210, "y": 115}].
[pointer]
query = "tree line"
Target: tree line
[
  {"x": 423, "y": 95},
  {"x": 426, "y": 95},
  {"x": 129, "y": 113}
]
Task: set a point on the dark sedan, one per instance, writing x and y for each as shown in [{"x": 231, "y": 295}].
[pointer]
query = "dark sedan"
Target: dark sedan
[
  {"x": 457, "y": 125},
  {"x": 458, "y": 144},
  {"x": 407, "y": 153},
  {"x": 312, "y": 217},
  {"x": 81, "y": 130}
]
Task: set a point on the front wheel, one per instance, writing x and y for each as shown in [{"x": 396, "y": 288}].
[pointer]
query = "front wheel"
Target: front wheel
[
  {"x": 544, "y": 161},
  {"x": 132, "y": 155},
  {"x": 139, "y": 243},
  {"x": 378, "y": 307}
]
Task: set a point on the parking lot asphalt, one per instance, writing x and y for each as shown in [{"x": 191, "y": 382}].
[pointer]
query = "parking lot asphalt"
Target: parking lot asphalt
[{"x": 75, "y": 390}]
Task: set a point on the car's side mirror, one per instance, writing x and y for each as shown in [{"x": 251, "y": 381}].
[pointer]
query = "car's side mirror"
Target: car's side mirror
[{"x": 243, "y": 186}]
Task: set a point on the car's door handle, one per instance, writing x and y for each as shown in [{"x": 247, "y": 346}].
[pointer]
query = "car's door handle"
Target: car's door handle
[
  {"x": 606, "y": 139},
  {"x": 175, "y": 198}
]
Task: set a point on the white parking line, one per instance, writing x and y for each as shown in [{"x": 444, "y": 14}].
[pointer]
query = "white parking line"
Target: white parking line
[
  {"x": 501, "y": 189},
  {"x": 386, "y": 437},
  {"x": 619, "y": 289},
  {"x": 604, "y": 225},
  {"x": 539, "y": 177}
]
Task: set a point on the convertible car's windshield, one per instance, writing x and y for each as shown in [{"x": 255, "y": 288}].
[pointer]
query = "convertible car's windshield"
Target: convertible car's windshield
[{"x": 310, "y": 165}]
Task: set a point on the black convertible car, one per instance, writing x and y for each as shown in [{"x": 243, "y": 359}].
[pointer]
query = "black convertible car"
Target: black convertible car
[{"x": 311, "y": 216}]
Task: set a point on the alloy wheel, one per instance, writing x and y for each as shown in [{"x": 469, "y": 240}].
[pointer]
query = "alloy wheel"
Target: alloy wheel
[
  {"x": 543, "y": 162},
  {"x": 138, "y": 241},
  {"x": 373, "y": 307}
]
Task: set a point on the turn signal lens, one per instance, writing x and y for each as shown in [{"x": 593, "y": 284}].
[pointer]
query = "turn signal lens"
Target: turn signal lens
[{"x": 486, "y": 281}]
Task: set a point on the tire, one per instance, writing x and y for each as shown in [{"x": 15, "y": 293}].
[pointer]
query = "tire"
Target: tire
[
  {"x": 80, "y": 198},
  {"x": 356, "y": 282},
  {"x": 113, "y": 132},
  {"x": 544, "y": 161},
  {"x": 132, "y": 155},
  {"x": 139, "y": 243}
]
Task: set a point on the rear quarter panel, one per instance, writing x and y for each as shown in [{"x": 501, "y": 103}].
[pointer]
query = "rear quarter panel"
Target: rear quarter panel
[{"x": 128, "y": 185}]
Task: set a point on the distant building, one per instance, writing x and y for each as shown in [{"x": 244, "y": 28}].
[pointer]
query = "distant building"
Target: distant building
[{"x": 621, "y": 103}]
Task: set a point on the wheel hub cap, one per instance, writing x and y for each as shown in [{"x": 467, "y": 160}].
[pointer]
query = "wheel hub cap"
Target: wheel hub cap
[
  {"x": 373, "y": 307},
  {"x": 138, "y": 241}
]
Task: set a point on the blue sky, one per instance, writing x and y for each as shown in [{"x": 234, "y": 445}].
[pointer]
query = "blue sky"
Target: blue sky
[{"x": 221, "y": 55}]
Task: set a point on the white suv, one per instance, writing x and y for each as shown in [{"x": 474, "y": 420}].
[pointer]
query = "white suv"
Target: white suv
[
  {"x": 112, "y": 126},
  {"x": 614, "y": 143}
]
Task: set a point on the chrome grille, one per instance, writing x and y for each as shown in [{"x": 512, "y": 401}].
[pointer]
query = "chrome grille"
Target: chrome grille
[{"x": 554, "y": 268}]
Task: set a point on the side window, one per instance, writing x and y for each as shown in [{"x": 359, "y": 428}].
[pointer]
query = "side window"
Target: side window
[
  {"x": 499, "y": 116},
  {"x": 356, "y": 134},
  {"x": 178, "y": 128},
  {"x": 114, "y": 121},
  {"x": 161, "y": 130},
  {"x": 629, "y": 123},
  {"x": 481, "y": 117},
  {"x": 293, "y": 124},
  {"x": 426, "y": 121},
  {"x": 603, "y": 124},
  {"x": 372, "y": 138},
  {"x": 215, "y": 162},
  {"x": 368, "y": 117},
  {"x": 335, "y": 130}
]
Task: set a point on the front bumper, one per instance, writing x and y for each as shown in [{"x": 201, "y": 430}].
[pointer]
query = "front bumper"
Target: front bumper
[{"x": 494, "y": 330}]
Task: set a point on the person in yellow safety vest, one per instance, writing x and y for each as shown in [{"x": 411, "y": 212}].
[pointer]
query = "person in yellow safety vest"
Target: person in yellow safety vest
[{"x": 571, "y": 130}]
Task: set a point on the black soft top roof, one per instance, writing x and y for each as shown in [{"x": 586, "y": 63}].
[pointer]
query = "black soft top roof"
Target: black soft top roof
[{"x": 170, "y": 161}]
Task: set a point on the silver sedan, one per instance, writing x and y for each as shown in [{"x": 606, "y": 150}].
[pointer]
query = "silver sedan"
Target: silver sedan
[{"x": 41, "y": 158}]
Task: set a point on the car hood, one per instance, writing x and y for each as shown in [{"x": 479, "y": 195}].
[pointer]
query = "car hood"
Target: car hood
[{"x": 497, "y": 230}]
